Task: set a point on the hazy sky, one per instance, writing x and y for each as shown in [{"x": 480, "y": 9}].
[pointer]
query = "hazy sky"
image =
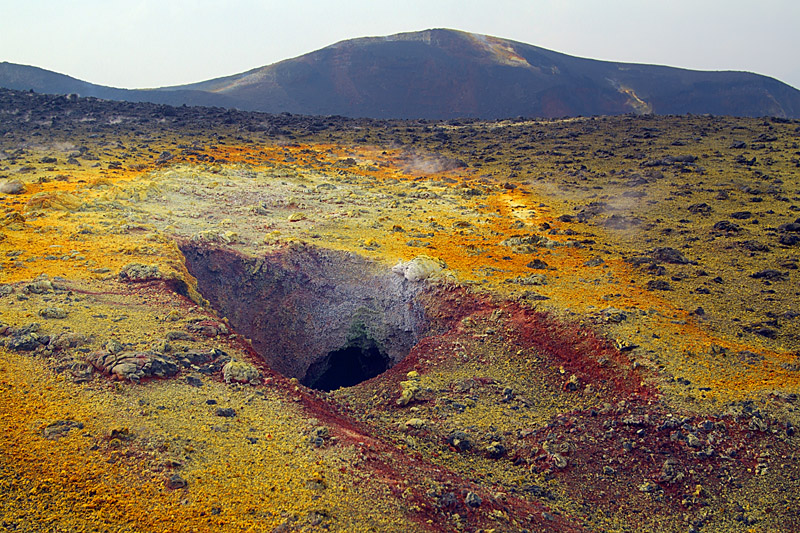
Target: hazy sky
[{"x": 151, "y": 43}]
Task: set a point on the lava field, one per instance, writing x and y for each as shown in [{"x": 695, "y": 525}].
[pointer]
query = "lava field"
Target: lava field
[{"x": 214, "y": 320}]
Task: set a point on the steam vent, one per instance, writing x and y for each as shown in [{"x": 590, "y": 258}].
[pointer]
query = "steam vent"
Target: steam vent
[{"x": 214, "y": 320}]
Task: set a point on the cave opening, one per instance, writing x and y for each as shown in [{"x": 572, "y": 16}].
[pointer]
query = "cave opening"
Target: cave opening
[
  {"x": 328, "y": 318},
  {"x": 358, "y": 361}
]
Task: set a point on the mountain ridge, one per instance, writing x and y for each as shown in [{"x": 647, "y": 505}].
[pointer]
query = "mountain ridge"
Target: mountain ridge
[{"x": 445, "y": 74}]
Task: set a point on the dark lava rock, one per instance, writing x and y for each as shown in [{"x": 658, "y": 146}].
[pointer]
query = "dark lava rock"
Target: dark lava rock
[
  {"x": 460, "y": 441},
  {"x": 24, "y": 343},
  {"x": 176, "y": 482},
  {"x": 164, "y": 157},
  {"x": 593, "y": 262},
  {"x": 769, "y": 274},
  {"x": 473, "y": 500},
  {"x": 791, "y": 227},
  {"x": 566, "y": 218},
  {"x": 226, "y": 412},
  {"x": 754, "y": 246},
  {"x": 741, "y": 215},
  {"x": 789, "y": 240},
  {"x": 538, "y": 264},
  {"x": 59, "y": 428},
  {"x": 766, "y": 332},
  {"x": 591, "y": 210},
  {"x": 727, "y": 226},
  {"x": 658, "y": 285},
  {"x": 448, "y": 499},
  {"x": 669, "y": 255},
  {"x": 193, "y": 381},
  {"x": 698, "y": 209}
]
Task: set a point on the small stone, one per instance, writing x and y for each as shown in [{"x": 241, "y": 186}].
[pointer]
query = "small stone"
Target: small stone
[
  {"x": 52, "y": 312},
  {"x": 226, "y": 412},
  {"x": 495, "y": 450},
  {"x": 648, "y": 487},
  {"x": 460, "y": 441},
  {"x": 693, "y": 441},
  {"x": 658, "y": 285},
  {"x": 60, "y": 428},
  {"x": 560, "y": 461},
  {"x": 41, "y": 286},
  {"x": 473, "y": 500},
  {"x": 193, "y": 381},
  {"x": 239, "y": 372},
  {"x": 415, "y": 423},
  {"x": 23, "y": 343},
  {"x": 669, "y": 255},
  {"x": 176, "y": 482},
  {"x": 538, "y": 264}
]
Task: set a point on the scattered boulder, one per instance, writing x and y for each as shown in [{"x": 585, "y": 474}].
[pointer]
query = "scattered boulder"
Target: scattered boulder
[
  {"x": 530, "y": 279},
  {"x": 700, "y": 209},
  {"x": 459, "y": 440},
  {"x": 473, "y": 500},
  {"x": 528, "y": 244},
  {"x": 52, "y": 312},
  {"x": 789, "y": 240},
  {"x": 769, "y": 274},
  {"x": 240, "y": 372},
  {"x": 669, "y": 255},
  {"x": 12, "y": 187},
  {"x": 538, "y": 264},
  {"x": 133, "y": 366},
  {"x": 137, "y": 272},
  {"x": 176, "y": 482},
  {"x": 658, "y": 285},
  {"x": 60, "y": 428},
  {"x": 727, "y": 226},
  {"x": 409, "y": 389},
  {"x": 420, "y": 268}
]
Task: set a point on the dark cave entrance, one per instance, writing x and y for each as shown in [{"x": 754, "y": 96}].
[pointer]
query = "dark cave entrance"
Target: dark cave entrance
[
  {"x": 359, "y": 361},
  {"x": 328, "y": 318}
]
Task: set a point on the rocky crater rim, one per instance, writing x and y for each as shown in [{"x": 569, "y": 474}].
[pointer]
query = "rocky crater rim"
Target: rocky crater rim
[{"x": 328, "y": 318}]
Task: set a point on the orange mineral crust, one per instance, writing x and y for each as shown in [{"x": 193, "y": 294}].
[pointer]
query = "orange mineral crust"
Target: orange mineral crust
[{"x": 216, "y": 320}]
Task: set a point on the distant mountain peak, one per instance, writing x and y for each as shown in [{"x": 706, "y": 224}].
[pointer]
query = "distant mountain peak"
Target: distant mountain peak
[{"x": 443, "y": 73}]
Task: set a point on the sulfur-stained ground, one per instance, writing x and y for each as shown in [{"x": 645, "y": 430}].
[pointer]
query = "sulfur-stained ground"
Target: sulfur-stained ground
[{"x": 608, "y": 337}]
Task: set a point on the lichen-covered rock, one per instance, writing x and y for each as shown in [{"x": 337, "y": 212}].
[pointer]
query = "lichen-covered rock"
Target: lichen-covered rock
[
  {"x": 24, "y": 343},
  {"x": 409, "y": 389},
  {"x": 68, "y": 340},
  {"x": 240, "y": 372},
  {"x": 134, "y": 366},
  {"x": 53, "y": 200},
  {"x": 528, "y": 244},
  {"x": 40, "y": 286},
  {"x": 420, "y": 268},
  {"x": 139, "y": 272},
  {"x": 530, "y": 279},
  {"x": 52, "y": 312}
]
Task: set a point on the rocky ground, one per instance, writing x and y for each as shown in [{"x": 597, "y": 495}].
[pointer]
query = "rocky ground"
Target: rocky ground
[{"x": 569, "y": 325}]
